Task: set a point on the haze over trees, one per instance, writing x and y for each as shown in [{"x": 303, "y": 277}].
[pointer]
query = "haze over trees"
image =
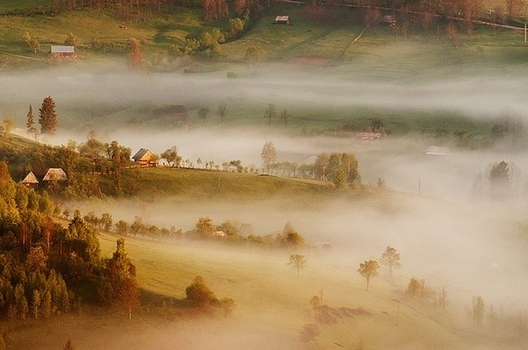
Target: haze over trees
[
  {"x": 298, "y": 262},
  {"x": 391, "y": 259},
  {"x": 268, "y": 155},
  {"x": 368, "y": 269}
]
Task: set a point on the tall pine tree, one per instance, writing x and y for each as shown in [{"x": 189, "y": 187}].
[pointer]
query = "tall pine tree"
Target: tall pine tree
[
  {"x": 30, "y": 124},
  {"x": 48, "y": 116}
]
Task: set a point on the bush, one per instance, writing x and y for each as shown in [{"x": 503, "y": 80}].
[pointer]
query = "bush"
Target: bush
[{"x": 199, "y": 295}]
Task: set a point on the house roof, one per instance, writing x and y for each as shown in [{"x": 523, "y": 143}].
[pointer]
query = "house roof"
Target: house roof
[
  {"x": 62, "y": 49},
  {"x": 282, "y": 18},
  {"x": 438, "y": 151},
  {"x": 142, "y": 154},
  {"x": 56, "y": 174},
  {"x": 30, "y": 179}
]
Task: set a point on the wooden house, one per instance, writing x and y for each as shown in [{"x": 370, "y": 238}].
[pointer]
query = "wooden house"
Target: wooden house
[
  {"x": 282, "y": 20},
  {"x": 62, "y": 51},
  {"x": 30, "y": 180},
  {"x": 144, "y": 158}
]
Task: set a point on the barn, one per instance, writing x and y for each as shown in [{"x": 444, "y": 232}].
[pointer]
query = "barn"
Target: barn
[
  {"x": 145, "y": 158},
  {"x": 282, "y": 20},
  {"x": 55, "y": 174},
  {"x": 62, "y": 51}
]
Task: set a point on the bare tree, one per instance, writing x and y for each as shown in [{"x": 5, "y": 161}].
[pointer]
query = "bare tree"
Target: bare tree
[
  {"x": 222, "y": 111},
  {"x": 269, "y": 113}
]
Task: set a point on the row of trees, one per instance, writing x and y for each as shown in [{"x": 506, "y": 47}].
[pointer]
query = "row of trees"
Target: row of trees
[{"x": 230, "y": 231}]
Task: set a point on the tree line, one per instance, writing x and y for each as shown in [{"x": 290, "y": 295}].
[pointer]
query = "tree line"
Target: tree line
[
  {"x": 42, "y": 262},
  {"x": 230, "y": 232}
]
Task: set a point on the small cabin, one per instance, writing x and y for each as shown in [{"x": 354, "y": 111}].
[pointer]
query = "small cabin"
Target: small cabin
[
  {"x": 30, "y": 181},
  {"x": 145, "y": 158},
  {"x": 62, "y": 51},
  {"x": 282, "y": 20}
]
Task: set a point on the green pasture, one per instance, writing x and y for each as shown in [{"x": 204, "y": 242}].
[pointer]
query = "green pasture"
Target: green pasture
[
  {"x": 199, "y": 184},
  {"x": 9, "y": 5}
]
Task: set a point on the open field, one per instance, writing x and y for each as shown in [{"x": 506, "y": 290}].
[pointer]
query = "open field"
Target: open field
[{"x": 272, "y": 306}]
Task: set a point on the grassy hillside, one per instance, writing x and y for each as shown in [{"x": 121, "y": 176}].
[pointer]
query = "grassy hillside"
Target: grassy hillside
[
  {"x": 272, "y": 308},
  {"x": 201, "y": 184}
]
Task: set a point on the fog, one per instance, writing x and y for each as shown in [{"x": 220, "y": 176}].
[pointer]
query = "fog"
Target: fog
[{"x": 444, "y": 236}]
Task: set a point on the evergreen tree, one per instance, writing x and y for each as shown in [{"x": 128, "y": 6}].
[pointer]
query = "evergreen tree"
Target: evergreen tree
[
  {"x": 30, "y": 124},
  {"x": 48, "y": 116},
  {"x": 2, "y": 343},
  {"x": 69, "y": 345},
  {"x": 118, "y": 271}
]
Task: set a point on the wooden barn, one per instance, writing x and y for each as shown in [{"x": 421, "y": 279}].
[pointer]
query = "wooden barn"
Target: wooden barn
[
  {"x": 62, "y": 51},
  {"x": 282, "y": 20},
  {"x": 145, "y": 158}
]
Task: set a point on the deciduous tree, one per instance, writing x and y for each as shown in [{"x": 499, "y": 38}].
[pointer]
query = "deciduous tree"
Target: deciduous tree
[
  {"x": 391, "y": 258},
  {"x": 199, "y": 295},
  {"x": 268, "y": 155},
  {"x": 228, "y": 305},
  {"x": 298, "y": 262},
  {"x": 135, "y": 56},
  {"x": 222, "y": 111},
  {"x": 204, "y": 227},
  {"x": 129, "y": 295},
  {"x": 368, "y": 269},
  {"x": 9, "y": 124},
  {"x": 203, "y": 113},
  {"x": 172, "y": 157},
  {"x": 71, "y": 40}
]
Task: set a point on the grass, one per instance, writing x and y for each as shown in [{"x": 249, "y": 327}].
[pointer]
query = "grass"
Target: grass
[
  {"x": 9, "y": 5},
  {"x": 198, "y": 185}
]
